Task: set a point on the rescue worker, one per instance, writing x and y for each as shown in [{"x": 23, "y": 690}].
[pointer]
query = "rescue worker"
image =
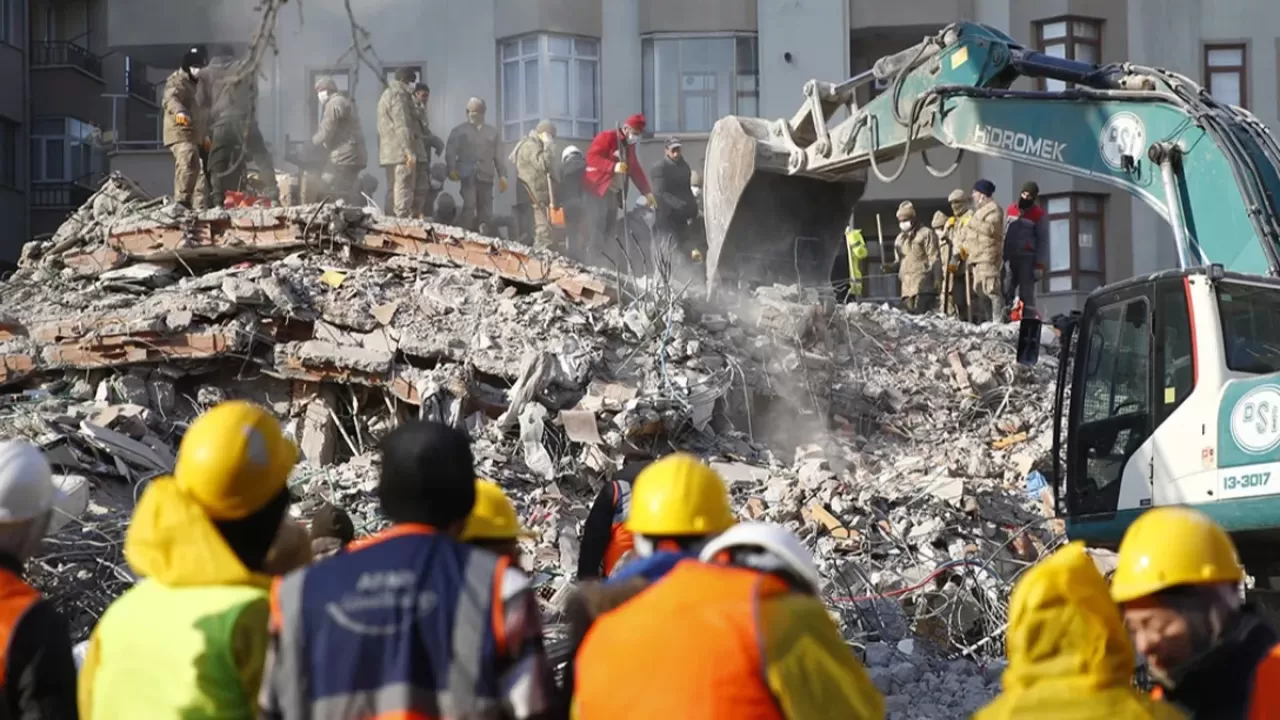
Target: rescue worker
[
  {"x": 398, "y": 141},
  {"x": 1069, "y": 654},
  {"x": 1026, "y": 246},
  {"x": 473, "y": 155},
  {"x": 184, "y": 130},
  {"x": 611, "y": 163},
  {"x": 341, "y": 137},
  {"x": 606, "y": 541},
  {"x": 739, "y": 633},
  {"x": 955, "y": 287},
  {"x": 1177, "y": 582},
  {"x": 532, "y": 157},
  {"x": 493, "y": 523},
  {"x": 290, "y": 550},
  {"x": 677, "y": 207},
  {"x": 229, "y": 89},
  {"x": 192, "y": 633},
  {"x": 412, "y": 623},
  {"x": 331, "y": 531},
  {"x": 39, "y": 679},
  {"x": 981, "y": 246},
  {"x": 569, "y": 195},
  {"x": 423, "y": 197},
  {"x": 917, "y": 248},
  {"x": 678, "y": 503}
]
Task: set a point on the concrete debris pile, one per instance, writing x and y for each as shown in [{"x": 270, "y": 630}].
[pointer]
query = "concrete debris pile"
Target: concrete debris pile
[{"x": 902, "y": 449}]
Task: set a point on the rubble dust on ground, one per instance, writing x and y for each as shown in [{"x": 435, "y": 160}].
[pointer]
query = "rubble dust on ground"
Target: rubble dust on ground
[{"x": 898, "y": 447}]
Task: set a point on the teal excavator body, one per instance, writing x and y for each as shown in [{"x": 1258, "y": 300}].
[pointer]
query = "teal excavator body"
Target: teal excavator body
[{"x": 1169, "y": 385}]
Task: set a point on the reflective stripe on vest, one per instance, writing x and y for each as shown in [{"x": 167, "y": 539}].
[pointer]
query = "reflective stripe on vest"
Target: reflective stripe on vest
[
  {"x": 361, "y": 635},
  {"x": 16, "y": 597},
  {"x": 620, "y": 538},
  {"x": 660, "y": 641}
]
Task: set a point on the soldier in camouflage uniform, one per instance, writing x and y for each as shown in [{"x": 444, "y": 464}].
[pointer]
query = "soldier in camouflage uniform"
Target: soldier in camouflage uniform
[
  {"x": 474, "y": 158},
  {"x": 342, "y": 138},
  {"x": 229, "y": 89},
  {"x": 398, "y": 141},
  {"x": 982, "y": 246},
  {"x": 533, "y": 162},
  {"x": 917, "y": 247},
  {"x": 423, "y": 197},
  {"x": 185, "y": 132}
]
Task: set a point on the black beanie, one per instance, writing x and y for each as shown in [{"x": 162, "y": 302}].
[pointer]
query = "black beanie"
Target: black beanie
[
  {"x": 428, "y": 475},
  {"x": 1031, "y": 189}
]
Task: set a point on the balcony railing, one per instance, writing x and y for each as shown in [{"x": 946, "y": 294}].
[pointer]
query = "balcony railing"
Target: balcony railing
[
  {"x": 140, "y": 88},
  {"x": 49, "y": 54},
  {"x": 59, "y": 195}
]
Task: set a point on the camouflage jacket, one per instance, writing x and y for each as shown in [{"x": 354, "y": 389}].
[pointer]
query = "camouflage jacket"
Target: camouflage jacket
[
  {"x": 475, "y": 152},
  {"x": 533, "y": 169},
  {"x": 398, "y": 127},
  {"x": 982, "y": 240},
  {"x": 918, "y": 253},
  {"x": 180, "y": 96},
  {"x": 340, "y": 132}
]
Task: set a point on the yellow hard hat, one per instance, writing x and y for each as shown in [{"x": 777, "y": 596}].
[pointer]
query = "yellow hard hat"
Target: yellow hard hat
[
  {"x": 1170, "y": 546},
  {"x": 234, "y": 460},
  {"x": 493, "y": 517},
  {"x": 679, "y": 495}
]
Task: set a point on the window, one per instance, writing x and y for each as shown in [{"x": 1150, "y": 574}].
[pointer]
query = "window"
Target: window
[
  {"x": 1226, "y": 75},
  {"x": 1173, "y": 347},
  {"x": 552, "y": 77},
  {"x": 389, "y": 73},
  {"x": 341, "y": 78},
  {"x": 1071, "y": 38},
  {"x": 65, "y": 150},
  {"x": 1250, "y": 326},
  {"x": 10, "y": 22},
  {"x": 690, "y": 82},
  {"x": 1076, "y": 257},
  {"x": 8, "y": 154}
]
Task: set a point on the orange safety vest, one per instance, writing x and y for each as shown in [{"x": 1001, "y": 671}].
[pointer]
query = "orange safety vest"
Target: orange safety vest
[
  {"x": 16, "y": 597},
  {"x": 621, "y": 541},
  {"x": 1264, "y": 700},
  {"x": 688, "y": 647}
]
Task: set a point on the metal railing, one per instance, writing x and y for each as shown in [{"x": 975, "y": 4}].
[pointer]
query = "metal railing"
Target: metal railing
[
  {"x": 59, "y": 195},
  {"x": 51, "y": 54},
  {"x": 137, "y": 145},
  {"x": 140, "y": 88}
]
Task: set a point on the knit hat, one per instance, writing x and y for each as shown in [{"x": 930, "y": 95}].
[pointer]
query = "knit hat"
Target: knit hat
[
  {"x": 986, "y": 187},
  {"x": 1031, "y": 189},
  {"x": 957, "y": 196},
  {"x": 906, "y": 211},
  {"x": 939, "y": 220},
  {"x": 636, "y": 122},
  {"x": 546, "y": 127}
]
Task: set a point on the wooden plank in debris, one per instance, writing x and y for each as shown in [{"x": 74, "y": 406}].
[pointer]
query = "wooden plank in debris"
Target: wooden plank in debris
[
  {"x": 1009, "y": 440},
  {"x": 829, "y": 521},
  {"x": 958, "y": 369}
]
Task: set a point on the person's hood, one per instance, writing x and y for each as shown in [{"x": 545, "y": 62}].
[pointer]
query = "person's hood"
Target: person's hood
[
  {"x": 593, "y": 599},
  {"x": 1064, "y": 630},
  {"x": 172, "y": 540}
]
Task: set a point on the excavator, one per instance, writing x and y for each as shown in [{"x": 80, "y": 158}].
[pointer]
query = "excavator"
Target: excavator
[{"x": 1168, "y": 385}]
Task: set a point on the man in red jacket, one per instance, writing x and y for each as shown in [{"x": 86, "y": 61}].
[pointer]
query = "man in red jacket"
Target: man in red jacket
[
  {"x": 611, "y": 161},
  {"x": 1026, "y": 247}
]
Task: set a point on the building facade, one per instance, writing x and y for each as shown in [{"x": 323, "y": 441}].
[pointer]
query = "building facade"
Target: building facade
[
  {"x": 588, "y": 64},
  {"x": 65, "y": 103}
]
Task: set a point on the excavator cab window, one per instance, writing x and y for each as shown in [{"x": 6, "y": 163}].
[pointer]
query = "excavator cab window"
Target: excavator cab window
[
  {"x": 1111, "y": 399},
  {"x": 1250, "y": 326}
]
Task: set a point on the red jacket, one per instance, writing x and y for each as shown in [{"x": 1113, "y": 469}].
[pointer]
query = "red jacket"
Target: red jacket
[{"x": 601, "y": 158}]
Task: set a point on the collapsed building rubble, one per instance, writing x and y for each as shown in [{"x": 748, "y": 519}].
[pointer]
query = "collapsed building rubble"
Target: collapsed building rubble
[{"x": 896, "y": 446}]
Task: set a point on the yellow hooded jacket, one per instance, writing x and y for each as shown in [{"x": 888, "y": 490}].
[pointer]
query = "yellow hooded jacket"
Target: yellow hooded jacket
[
  {"x": 191, "y": 637},
  {"x": 1069, "y": 655}
]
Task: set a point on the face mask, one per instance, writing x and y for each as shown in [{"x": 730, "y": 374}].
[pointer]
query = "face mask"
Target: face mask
[
  {"x": 546, "y": 139},
  {"x": 323, "y": 95},
  {"x": 697, "y": 192},
  {"x": 195, "y": 72},
  {"x": 905, "y": 225},
  {"x": 958, "y": 209},
  {"x": 1025, "y": 203}
]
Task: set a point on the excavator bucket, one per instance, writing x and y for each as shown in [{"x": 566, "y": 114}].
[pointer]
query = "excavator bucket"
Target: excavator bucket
[{"x": 766, "y": 224}]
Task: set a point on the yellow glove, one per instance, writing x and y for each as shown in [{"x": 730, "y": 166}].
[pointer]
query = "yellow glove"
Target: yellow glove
[
  {"x": 502, "y": 184},
  {"x": 182, "y": 119},
  {"x": 653, "y": 202},
  {"x": 453, "y": 175},
  {"x": 964, "y": 254},
  {"x": 953, "y": 268},
  {"x": 620, "y": 167}
]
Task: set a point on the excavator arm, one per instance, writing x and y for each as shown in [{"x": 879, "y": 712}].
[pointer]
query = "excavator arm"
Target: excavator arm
[{"x": 779, "y": 193}]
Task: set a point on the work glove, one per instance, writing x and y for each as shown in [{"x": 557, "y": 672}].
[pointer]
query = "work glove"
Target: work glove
[
  {"x": 183, "y": 119},
  {"x": 620, "y": 167},
  {"x": 453, "y": 175},
  {"x": 409, "y": 159},
  {"x": 653, "y": 202},
  {"x": 502, "y": 184},
  {"x": 964, "y": 254},
  {"x": 953, "y": 268}
]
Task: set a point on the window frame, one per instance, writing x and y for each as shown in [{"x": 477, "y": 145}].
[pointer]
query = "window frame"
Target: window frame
[
  {"x": 1070, "y": 40},
  {"x": 1074, "y": 215},
  {"x": 523, "y": 121},
  {"x": 389, "y": 71},
  {"x": 313, "y": 102},
  {"x": 1241, "y": 70},
  {"x": 71, "y": 143},
  {"x": 11, "y": 30},
  {"x": 648, "y": 96}
]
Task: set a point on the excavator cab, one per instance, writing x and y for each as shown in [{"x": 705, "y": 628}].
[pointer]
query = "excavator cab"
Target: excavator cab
[{"x": 1168, "y": 392}]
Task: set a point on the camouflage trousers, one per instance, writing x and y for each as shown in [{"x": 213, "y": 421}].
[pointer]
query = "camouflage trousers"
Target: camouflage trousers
[
  {"x": 422, "y": 189},
  {"x": 988, "y": 293},
  {"x": 400, "y": 189},
  {"x": 188, "y": 179}
]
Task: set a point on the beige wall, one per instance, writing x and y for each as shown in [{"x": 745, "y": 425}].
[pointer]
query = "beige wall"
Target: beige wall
[{"x": 571, "y": 17}]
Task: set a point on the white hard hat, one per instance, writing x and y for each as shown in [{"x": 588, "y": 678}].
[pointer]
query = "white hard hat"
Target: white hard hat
[
  {"x": 571, "y": 150},
  {"x": 26, "y": 482},
  {"x": 773, "y": 539}
]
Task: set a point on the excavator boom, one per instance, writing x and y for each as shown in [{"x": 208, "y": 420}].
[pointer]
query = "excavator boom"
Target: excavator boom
[{"x": 779, "y": 193}]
